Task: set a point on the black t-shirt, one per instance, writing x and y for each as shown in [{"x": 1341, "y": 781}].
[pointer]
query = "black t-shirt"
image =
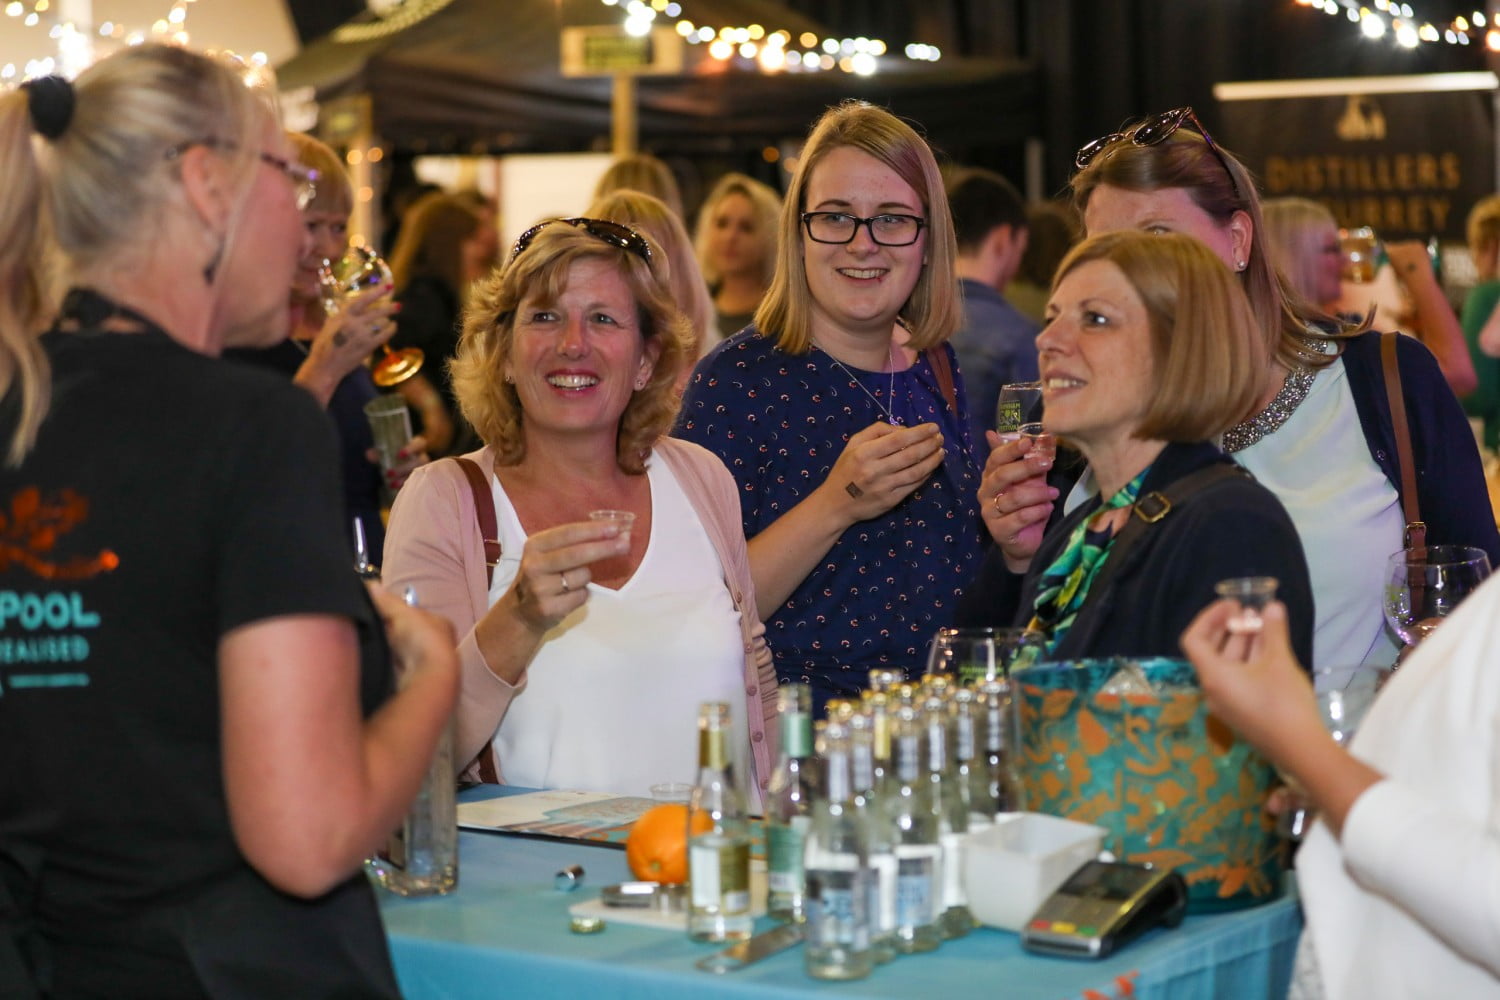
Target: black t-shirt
[{"x": 169, "y": 499}]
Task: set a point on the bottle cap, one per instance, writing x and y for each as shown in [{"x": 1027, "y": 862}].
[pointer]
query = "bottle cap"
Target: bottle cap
[
  {"x": 586, "y": 925},
  {"x": 568, "y": 879}
]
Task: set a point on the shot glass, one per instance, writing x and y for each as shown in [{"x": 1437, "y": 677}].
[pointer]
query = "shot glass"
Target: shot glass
[
  {"x": 1019, "y": 402},
  {"x": 671, "y": 791},
  {"x": 624, "y": 519},
  {"x": 1252, "y": 593},
  {"x": 1043, "y": 443}
]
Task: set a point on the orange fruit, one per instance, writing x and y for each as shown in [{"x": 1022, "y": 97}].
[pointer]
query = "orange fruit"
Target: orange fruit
[{"x": 656, "y": 849}]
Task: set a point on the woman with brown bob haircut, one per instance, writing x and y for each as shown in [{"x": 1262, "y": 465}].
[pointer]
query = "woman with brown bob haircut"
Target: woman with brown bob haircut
[
  {"x": 1140, "y": 360},
  {"x": 1319, "y": 432},
  {"x": 840, "y": 414},
  {"x": 586, "y": 644}
]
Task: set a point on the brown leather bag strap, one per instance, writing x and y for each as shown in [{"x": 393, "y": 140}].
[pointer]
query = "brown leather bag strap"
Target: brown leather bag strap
[
  {"x": 489, "y": 534},
  {"x": 942, "y": 370},
  {"x": 1416, "y": 528},
  {"x": 484, "y": 512}
]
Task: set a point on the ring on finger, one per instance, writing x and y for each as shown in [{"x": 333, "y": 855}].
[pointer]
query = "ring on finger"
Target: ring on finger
[{"x": 564, "y": 578}]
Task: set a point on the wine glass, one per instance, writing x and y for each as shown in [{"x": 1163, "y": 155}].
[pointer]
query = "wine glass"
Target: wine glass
[
  {"x": 1020, "y": 403},
  {"x": 359, "y": 269},
  {"x": 1344, "y": 694},
  {"x": 973, "y": 655},
  {"x": 1425, "y": 583}
]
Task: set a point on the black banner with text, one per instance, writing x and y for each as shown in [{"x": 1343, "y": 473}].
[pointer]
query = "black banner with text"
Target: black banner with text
[{"x": 1407, "y": 164}]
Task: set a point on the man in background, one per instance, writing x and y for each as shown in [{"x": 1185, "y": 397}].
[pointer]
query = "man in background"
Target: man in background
[{"x": 997, "y": 343}]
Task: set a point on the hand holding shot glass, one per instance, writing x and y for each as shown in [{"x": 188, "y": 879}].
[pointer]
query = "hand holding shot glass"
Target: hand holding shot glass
[
  {"x": 1252, "y": 593},
  {"x": 1020, "y": 403}
]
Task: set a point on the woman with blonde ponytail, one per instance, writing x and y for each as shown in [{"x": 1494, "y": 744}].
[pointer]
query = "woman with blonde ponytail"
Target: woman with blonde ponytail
[{"x": 196, "y": 720}]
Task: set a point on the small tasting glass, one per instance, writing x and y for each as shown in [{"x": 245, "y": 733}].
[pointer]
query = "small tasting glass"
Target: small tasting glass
[
  {"x": 1043, "y": 443},
  {"x": 623, "y": 519},
  {"x": 1252, "y": 593}
]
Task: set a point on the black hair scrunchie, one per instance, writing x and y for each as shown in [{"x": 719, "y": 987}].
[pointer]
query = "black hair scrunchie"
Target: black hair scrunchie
[{"x": 50, "y": 101}]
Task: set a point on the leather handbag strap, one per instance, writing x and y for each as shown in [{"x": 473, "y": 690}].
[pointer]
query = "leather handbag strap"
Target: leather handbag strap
[
  {"x": 489, "y": 534},
  {"x": 1150, "y": 509},
  {"x": 484, "y": 512},
  {"x": 942, "y": 370},
  {"x": 1416, "y": 528}
]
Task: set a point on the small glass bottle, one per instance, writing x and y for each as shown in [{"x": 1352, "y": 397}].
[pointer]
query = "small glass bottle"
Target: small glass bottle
[
  {"x": 994, "y": 783},
  {"x": 952, "y": 819},
  {"x": 871, "y": 808},
  {"x": 961, "y": 708},
  {"x": 421, "y": 858},
  {"x": 882, "y": 679},
  {"x": 789, "y": 804},
  {"x": 719, "y": 858},
  {"x": 914, "y": 839},
  {"x": 877, "y": 706},
  {"x": 837, "y": 865}
]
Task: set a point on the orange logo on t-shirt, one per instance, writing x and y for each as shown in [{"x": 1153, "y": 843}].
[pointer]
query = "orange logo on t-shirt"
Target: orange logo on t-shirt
[{"x": 29, "y": 533}]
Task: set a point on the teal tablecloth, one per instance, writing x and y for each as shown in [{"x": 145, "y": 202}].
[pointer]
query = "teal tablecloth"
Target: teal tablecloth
[{"x": 504, "y": 933}]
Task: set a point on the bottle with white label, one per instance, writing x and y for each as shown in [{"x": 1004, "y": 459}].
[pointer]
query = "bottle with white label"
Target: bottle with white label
[
  {"x": 962, "y": 710},
  {"x": 718, "y": 858},
  {"x": 914, "y": 838},
  {"x": 789, "y": 805},
  {"x": 836, "y": 863},
  {"x": 871, "y": 808},
  {"x": 952, "y": 818}
]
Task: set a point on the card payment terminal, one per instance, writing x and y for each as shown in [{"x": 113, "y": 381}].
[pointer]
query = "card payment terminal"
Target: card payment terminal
[{"x": 1102, "y": 906}]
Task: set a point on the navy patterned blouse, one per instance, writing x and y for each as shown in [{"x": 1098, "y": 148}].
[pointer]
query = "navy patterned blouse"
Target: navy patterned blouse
[{"x": 780, "y": 421}]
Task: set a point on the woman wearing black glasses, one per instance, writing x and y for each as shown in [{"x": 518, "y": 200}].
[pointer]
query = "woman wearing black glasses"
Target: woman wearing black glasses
[
  {"x": 840, "y": 414},
  {"x": 587, "y": 644},
  {"x": 1320, "y": 434}
]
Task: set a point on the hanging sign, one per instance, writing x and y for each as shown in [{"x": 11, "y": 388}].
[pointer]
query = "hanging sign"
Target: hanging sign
[{"x": 605, "y": 50}]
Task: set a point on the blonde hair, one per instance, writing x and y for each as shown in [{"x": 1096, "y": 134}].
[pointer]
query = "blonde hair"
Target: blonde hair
[
  {"x": 92, "y": 201},
  {"x": 641, "y": 172},
  {"x": 491, "y": 404},
  {"x": 1294, "y": 231},
  {"x": 1220, "y": 186},
  {"x": 765, "y": 206},
  {"x": 1203, "y": 333},
  {"x": 933, "y": 311},
  {"x": 1483, "y": 227},
  {"x": 430, "y": 244},
  {"x": 334, "y": 194},
  {"x": 652, "y": 218}
]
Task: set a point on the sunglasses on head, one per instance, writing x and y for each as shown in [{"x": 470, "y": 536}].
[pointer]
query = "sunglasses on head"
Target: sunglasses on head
[
  {"x": 1151, "y": 132},
  {"x": 600, "y": 229}
]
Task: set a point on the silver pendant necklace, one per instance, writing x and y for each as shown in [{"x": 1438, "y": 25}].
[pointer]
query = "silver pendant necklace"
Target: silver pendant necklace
[{"x": 890, "y": 393}]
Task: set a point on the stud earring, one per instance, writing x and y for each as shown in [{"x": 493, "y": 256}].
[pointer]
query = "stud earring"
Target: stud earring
[
  {"x": 640, "y": 383},
  {"x": 1239, "y": 265}
]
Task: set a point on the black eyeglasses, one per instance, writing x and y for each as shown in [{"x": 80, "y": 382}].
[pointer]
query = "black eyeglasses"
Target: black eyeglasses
[
  {"x": 600, "y": 229},
  {"x": 841, "y": 227},
  {"x": 1151, "y": 132},
  {"x": 304, "y": 179}
]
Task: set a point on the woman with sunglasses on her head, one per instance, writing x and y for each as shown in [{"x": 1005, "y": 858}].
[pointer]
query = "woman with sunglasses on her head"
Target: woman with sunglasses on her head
[
  {"x": 840, "y": 414},
  {"x": 587, "y": 646},
  {"x": 1140, "y": 357},
  {"x": 1319, "y": 434},
  {"x": 327, "y": 354},
  {"x": 200, "y": 746}
]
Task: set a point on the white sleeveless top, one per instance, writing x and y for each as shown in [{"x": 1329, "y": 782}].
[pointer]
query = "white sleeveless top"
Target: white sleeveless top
[
  {"x": 612, "y": 695},
  {"x": 1347, "y": 515}
]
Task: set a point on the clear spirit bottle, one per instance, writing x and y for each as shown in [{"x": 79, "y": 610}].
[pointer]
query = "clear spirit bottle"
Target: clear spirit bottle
[
  {"x": 952, "y": 818},
  {"x": 914, "y": 839},
  {"x": 719, "y": 858},
  {"x": 961, "y": 708},
  {"x": 837, "y": 865},
  {"x": 789, "y": 804},
  {"x": 871, "y": 808},
  {"x": 994, "y": 783}
]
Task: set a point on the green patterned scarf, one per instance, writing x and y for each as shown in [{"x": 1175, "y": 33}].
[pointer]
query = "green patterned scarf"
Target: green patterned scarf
[{"x": 1064, "y": 585}]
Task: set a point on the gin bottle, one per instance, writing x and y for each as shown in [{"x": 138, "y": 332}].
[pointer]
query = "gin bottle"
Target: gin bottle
[
  {"x": 421, "y": 857},
  {"x": 952, "y": 818},
  {"x": 914, "y": 839},
  {"x": 789, "y": 805},
  {"x": 718, "y": 858},
  {"x": 961, "y": 708},
  {"x": 871, "y": 809},
  {"x": 837, "y": 867},
  {"x": 994, "y": 784}
]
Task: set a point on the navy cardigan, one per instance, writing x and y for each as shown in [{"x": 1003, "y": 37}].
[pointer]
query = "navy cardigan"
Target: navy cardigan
[{"x": 1232, "y": 527}]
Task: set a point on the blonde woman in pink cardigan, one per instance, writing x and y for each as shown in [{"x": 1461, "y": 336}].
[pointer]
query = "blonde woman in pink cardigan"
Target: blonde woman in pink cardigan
[{"x": 586, "y": 648}]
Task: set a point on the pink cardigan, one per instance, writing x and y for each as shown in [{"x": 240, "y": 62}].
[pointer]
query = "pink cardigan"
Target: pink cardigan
[{"x": 433, "y": 545}]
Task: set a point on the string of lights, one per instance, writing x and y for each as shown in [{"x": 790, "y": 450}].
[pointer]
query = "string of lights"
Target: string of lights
[
  {"x": 772, "y": 51},
  {"x": 71, "y": 42},
  {"x": 1382, "y": 19}
]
